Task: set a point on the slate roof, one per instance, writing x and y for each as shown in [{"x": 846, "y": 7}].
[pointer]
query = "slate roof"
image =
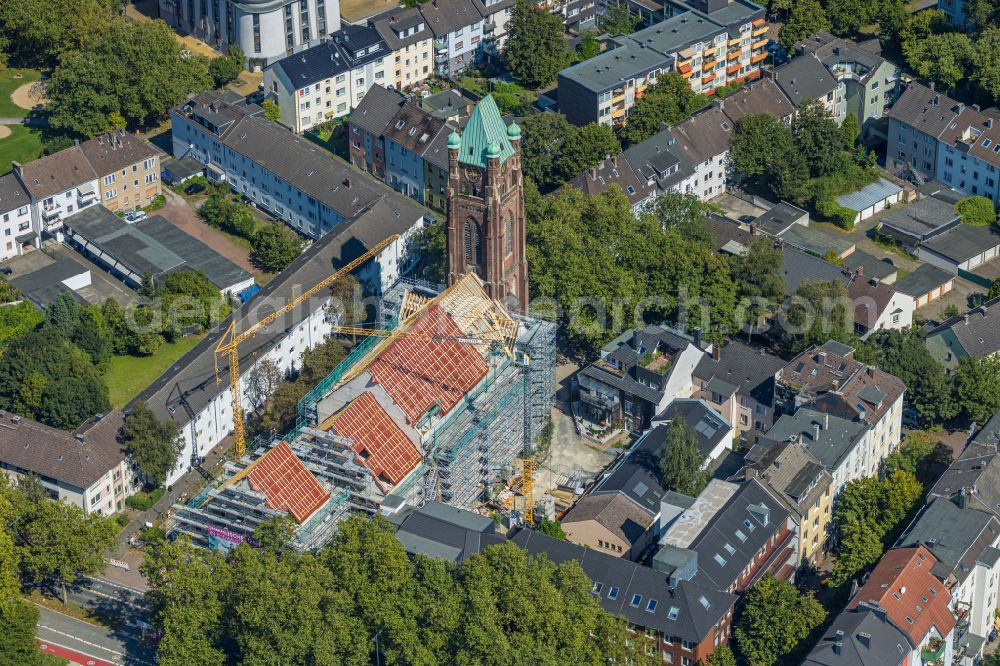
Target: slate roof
[
  {"x": 977, "y": 467},
  {"x": 613, "y": 511},
  {"x": 974, "y": 134},
  {"x": 957, "y": 537},
  {"x": 189, "y": 385},
  {"x": 837, "y": 436},
  {"x": 763, "y": 96},
  {"x": 413, "y": 128},
  {"x": 792, "y": 472},
  {"x": 656, "y": 162},
  {"x": 611, "y": 171},
  {"x": 726, "y": 231},
  {"x": 56, "y": 173},
  {"x": 397, "y": 19},
  {"x": 12, "y": 193},
  {"x": 915, "y": 601},
  {"x": 925, "y": 110},
  {"x": 376, "y": 109},
  {"x": 798, "y": 267},
  {"x": 689, "y": 611},
  {"x": 804, "y": 78},
  {"x": 860, "y": 637},
  {"x": 924, "y": 279},
  {"x": 349, "y": 48},
  {"x": 870, "y": 266},
  {"x": 963, "y": 242},
  {"x": 637, "y": 476},
  {"x": 976, "y": 330},
  {"x": 723, "y": 554},
  {"x": 153, "y": 246},
  {"x": 485, "y": 127},
  {"x": 709, "y": 426},
  {"x": 750, "y": 369},
  {"x": 445, "y": 16},
  {"x": 870, "y": 298},
  {"x": 47, "y": 451},
  {"x": 445, "y": 532},
  {"x": 703, "y": 136},
  {"x": 117, "y": 150}
]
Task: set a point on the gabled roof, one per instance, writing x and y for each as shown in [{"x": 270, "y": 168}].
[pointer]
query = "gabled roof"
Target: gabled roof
[
  {"x": 611, "y": 171},
  {"x": 709, "y": 426},
  {"x": 703, "y": 136},
  {"x": 114, "y": 151},
  {"x": 56, "y": 173},
  {"x": 763, "y": 96},
  {"x": 804, "y": 78},
  {"x": 837, "y": 436},
  {"x": 957, "y": 537},
  {"x": 925, "y": 110},
  {"x": 378, "y": 442},
  {"x": 870, "y": 298},
  {"x": 376, "y": 109},
  {"x": 287, "y": 484},
  {"x": 792, "y": 472},
  {"x": 750, "y": 369},
  {"x": 422, "y": 373},
  {"x": 861, "y": 637},
  {"x": 924, "y": 279},
  {"x": 445, "y": 532},
  {"x": 975, "y": 330},
  {"x": 12, "y": 193},
  {"x": 637, "y": 476},
  {"x": 349, "y": 48},
  {"x": 395, "y": 21},
  {"x": 914, "y": 600},
  {"x": 445, "y": 16},
  {"x": 485, "y": 127},
  {"x": 871, "y": 266},
  {"x": 413, "y": 128},
  {"x": 60, "y": 454},
  {"x": 615, "y": 512}
]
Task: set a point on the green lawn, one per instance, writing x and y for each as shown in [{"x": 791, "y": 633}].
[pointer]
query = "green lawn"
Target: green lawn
[
  {"x": 9, "y": 84},
  {"x": 23, "y": 145},
  {"x": 126, "y": 376}
]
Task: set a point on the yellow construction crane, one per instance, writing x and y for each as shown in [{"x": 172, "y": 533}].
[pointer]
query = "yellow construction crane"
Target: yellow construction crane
[{"x": 230, "y": 342}]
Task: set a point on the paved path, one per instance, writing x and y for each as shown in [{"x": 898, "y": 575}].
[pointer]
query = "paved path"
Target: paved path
[
  {"x": 34, "y": 121},
  {"x": 99, "y": 643},
  {"x": 185, "y": 218}
]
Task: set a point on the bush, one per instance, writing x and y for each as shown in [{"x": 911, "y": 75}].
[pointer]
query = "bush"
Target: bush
[
  {"x": 121, "y": 520},
  {"x": 158, "y": 202},
  {"x": 976, "y": 211},
  {"x": 144, "y": 500},
  {"x": 828, "y": 208}
]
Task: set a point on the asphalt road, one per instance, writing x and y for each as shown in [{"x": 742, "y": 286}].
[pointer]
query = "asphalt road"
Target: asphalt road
[{"x": 118, "y": 646}]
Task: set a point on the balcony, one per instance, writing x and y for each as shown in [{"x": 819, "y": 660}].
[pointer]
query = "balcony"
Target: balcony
[
  {"x": 51, "y": 212},
  {"x": 932, "y": 652},
  {"x": 599, "y": 401},
  {"x": 759, "y": 44},
  {"x": 758, "y": 58},
  {"x": 757, "y": 32},
  {"x": 489, "y": 27},
  {"x": 441, "y": 58}
]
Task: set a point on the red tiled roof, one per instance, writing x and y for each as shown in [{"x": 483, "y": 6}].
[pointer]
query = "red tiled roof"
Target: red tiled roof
[
  {"x": 419, "y": 373},
  {"x": 378, "y": 442},
  {"x": 913, "y": 598},
  {"x": 288, "y": 485}
]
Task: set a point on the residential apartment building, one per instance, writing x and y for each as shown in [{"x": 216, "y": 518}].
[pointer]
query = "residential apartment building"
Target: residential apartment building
[
  {"x": 330, "y": 79},
  {"x": 830, "y": 380},
  {"x": 738, "y": 380},
  {"x": 869, "y": 82},
  {"x": 411, "y": 42},
  {"x": 863, "y": 636},
  {"x": 806, "y": 78},
  {"x": 58, "y": 185},
  {"x": 637, "y": 375},
  {"x": 303, "y": 185},
  {"x": 401, "y": 144},
  {"x": 969, "y": 158},
  {"x": 128, "y": 170},
  {"x": 578, "y": 15},
  {"x": 88, "y": 467},
  {"x": 972, "y": 334},
  {"x": 265, "y": 31},
  {"x": 458, "y": 34},
  {"x": 710, "y": 49},
  {"x": 15, "y": 212},
  {"x": 801, "y": 481},
  {"x": 954, "y": 11}
]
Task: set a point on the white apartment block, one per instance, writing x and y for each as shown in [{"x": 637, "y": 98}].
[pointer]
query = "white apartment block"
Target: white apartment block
[{"x": 15, "y": 215}]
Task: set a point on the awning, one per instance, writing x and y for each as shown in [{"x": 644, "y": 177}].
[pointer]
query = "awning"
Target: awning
[
  {"x": 25, "y": 238},
  {"x": 86, "y": 188}
]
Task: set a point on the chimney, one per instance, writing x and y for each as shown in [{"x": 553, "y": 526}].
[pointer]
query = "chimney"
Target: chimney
[
  {"x": 865, "y": 639},
  {"x": 826, "y": 421},
  {"x": 636, "y": 345},
  {"x": 717, "y": 352},
  {"x": 347, "y": 183},
  {"x": 975, "y": 107},
  {"x": 16, "y": 166},
  {"x": 697, "y": 337},
  {"x": 965, "y": 318},
  {"x": 750, "y": 473},
  {"x": 79, "y": 437},
  {"x": 989, "y": 123},
  {"x": 871, "y": 371},
  {"x": 838, "y": 647},
  {"x": 816, "y": 429}
]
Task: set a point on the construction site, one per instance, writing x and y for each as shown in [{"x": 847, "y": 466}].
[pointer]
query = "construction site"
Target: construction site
[{"x": 444, "y": 400}]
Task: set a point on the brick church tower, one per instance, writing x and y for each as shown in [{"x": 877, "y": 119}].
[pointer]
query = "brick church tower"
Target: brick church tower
[{"x": 485, "y": 227}]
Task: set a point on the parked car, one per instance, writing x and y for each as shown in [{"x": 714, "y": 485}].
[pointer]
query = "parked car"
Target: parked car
[
  {"x": 135, "y": 216},
  {"x": 194, "y": 188},
  {"x": 6, "y": 270}
]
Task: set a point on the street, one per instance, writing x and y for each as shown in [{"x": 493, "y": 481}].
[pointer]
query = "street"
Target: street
[{"x": 121, "y": 646}]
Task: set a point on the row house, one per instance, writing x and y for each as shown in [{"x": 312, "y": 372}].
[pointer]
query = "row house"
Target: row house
[
  {"x": 578, "y": 15},
  {"x": 713, "y": 48},
  {"x": 118, "y": 170},
  {"x": 934, "y": 137},
  {"x": 295, "y": 181},
  {"x": 328, "y": 80},
  {"x": 738, "y": 380},
  {"x": 970, "y": 334},
  {"x": 412, "y": 45},
  {"x": 401, "y": 144},
  {"x": 830, "y": 380}
]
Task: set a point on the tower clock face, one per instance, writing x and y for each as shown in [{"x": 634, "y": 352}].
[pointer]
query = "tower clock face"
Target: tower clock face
[{"x": 473, "y": 175}]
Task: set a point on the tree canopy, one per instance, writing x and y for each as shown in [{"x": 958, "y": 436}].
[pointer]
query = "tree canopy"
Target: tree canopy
[
  {"x": 153, "y": 444},
  {"x": 977, "y": 387},
  {"x": 554, "y": 151},
  {"x": 681, "y": 463},
  {"x": 272, "y": 606},
  {"x": 535, "y": 50},
  {"x": 776, "y": 618},
  {"x": 274, "y": 246},
  {"x": 670, "y": 100},
  {"x": 618, "y": 20},
  {"x": 977, "y": 211}
]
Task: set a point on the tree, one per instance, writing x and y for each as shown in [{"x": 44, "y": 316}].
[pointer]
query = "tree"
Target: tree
[
  {"x": 977, "y": 387},
  {"x": 818, "y": 138},
  {"x": 986, "y": 63},
  {"x": 587, "y": 146},
  {"x": 535, "y": 50},
  {"x": 93, "y": 335},
  {"x": 684, "y": 213},
  {"x": 722, "y": 656},
  {"x": 903, "y": 354},
  {"x": 274, "y": 247},
  {"x": 848, "y": 16},
  {"x": 16, "y": 320},
  {"x": 757, "y": 141},
  {"x": 545, "y": 135},
  {"x": 276, "y": 533},
  {"x": 759, "y": 282},
  {"x": 850, "y": 131},
  {"x": 154, "y": 445},
  {"x": 63, "y": 313},
  {"x": 18, "y": 625},
  {"x": 136, "y": 69},
  {"x": 681, "y": 463},
  {"x": 588, "y": 46},
  {"x": 551, "y": 528},
  {"x": 228, "y": 67},
  {"x": 57, "y": 542},
  {"x": 428, "y": 245},
  {"x": 669, "y": 101},
  {"x": 943, "y": 58},
  {"x": 71, "y": 389},
  {"x": 262, "y": 380},
  {"x": 819, "y": 311},
  {"x": 39, "y": 33},
  {"x": 976, "y": 211},
  {"x": 806, "y": 19},
  {"x": 776, "y": 619},
  {"x": 217, "y": 209},
  {"x": 272, "y": 111},
  {"x": 189, "y": 300},
  {"x": 618, "y": 20}
]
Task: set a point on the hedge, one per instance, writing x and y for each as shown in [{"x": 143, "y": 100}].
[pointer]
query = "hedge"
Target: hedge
[{"x": 144, "y": 501}]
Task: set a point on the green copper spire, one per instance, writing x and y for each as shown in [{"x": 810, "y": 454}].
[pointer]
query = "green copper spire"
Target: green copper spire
[
  {"x": 454, "y": 140},
  {"x": 485, "y": 128},
  {"x": 513, "y": 132}
]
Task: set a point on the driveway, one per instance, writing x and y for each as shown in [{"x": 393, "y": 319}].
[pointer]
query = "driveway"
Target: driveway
[{"x": 185, "y": 218}]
